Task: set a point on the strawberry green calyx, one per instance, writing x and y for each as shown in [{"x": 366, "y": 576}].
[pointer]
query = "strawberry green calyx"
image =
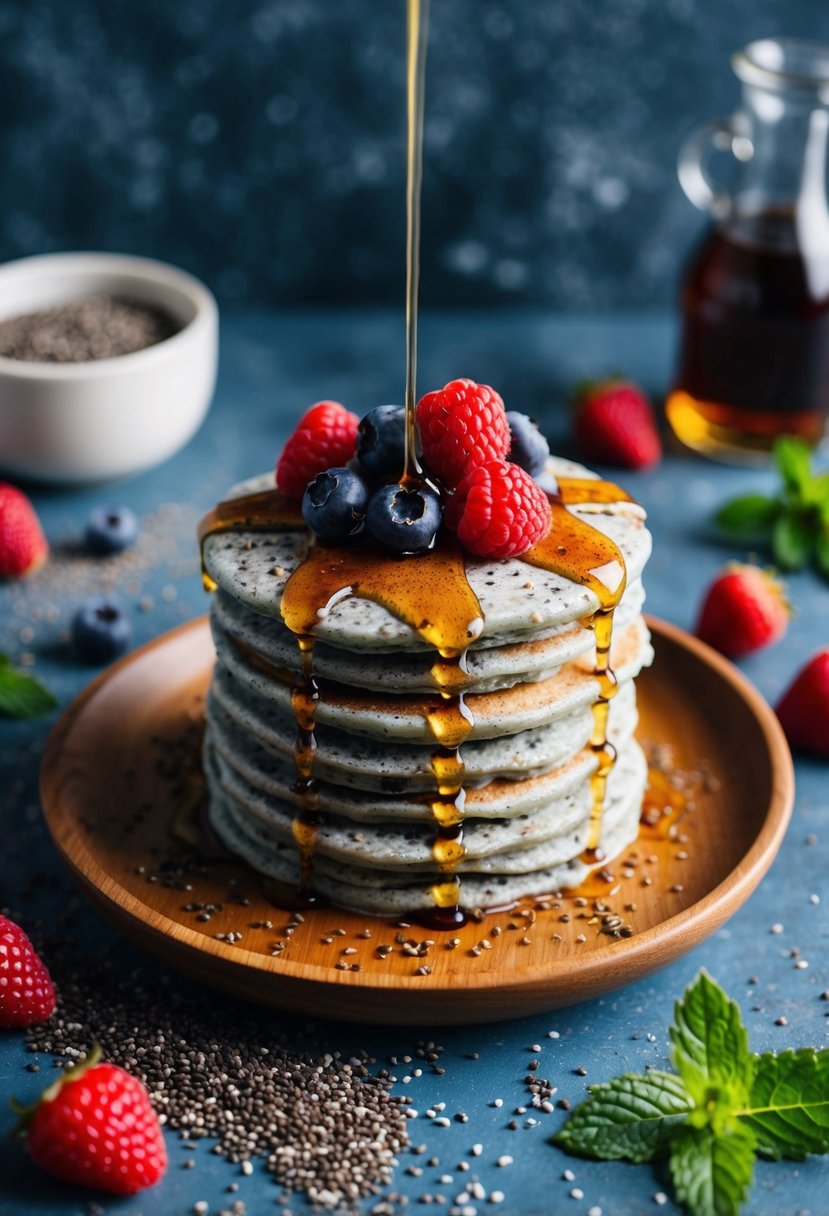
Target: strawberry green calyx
[{"x": 73, "y": 1073}]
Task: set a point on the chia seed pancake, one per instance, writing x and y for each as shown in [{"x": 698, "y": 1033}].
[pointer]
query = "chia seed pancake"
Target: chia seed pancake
[
  {"x": 517, "y": 600},
  {"x": 490, "y": 666}
]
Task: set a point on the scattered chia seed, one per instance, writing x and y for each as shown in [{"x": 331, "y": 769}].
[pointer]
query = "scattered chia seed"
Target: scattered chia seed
[{"x": 229, "y": 1076}]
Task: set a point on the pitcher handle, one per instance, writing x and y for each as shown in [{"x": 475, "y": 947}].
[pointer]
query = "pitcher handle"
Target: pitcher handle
[{"x": 724, "y": 134}]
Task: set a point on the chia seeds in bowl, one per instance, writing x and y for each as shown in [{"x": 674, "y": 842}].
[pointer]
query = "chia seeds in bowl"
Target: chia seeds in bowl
[{"x": 84, "y": 330}]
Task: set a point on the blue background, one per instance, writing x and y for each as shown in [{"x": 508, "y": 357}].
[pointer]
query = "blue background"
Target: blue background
[{"x": 260, "y": 142}]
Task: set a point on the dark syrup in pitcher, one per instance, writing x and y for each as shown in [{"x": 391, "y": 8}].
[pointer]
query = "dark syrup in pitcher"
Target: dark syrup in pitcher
[{"x": 754, "y": 355}]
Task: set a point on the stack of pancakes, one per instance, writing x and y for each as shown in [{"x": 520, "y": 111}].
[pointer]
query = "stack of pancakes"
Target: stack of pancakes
[{"x": 527, "y": 760}]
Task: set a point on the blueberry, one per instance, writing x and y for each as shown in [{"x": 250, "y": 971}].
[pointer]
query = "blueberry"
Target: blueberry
[
  {"x": 334, "y": 504},
  {"x": 529, "y": 448},
  {"x": 111, "y": 529},
  {"x": 403, "y": 519},
  {"x": 381, "y": 439},
  {"x": 101, "y": 630}
]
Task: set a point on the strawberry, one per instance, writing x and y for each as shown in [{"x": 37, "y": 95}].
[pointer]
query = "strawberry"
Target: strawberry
[
  {"x": 27, "y": 995},
  {"x": 23, "y": 546},
  {"x": 614, "y": 424},
  {"x": 95, "y": 1127},
  {"x": 744, "y": 609},
  {"x": 803, "y": 709}
]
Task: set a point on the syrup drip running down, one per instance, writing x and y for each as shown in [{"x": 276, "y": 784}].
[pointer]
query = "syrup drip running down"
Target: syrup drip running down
[
  {"x": 430, "y": 593},
  {"x": 305, "y": 698},
  {"x": 585, "y": 555}
]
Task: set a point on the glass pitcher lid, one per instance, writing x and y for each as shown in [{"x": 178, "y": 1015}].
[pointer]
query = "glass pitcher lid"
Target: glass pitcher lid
[{"x": 785, "y": 64}]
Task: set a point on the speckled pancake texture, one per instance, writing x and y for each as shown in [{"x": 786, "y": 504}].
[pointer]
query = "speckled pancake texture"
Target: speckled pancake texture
[{"x": 530, "y": 687}]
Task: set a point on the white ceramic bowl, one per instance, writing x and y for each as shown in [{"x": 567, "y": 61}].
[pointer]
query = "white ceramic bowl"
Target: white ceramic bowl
[{"x": 83, "y": 422}]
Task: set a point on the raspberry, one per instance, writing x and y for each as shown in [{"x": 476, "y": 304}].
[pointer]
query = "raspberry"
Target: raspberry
[
  {"x": 498, "y": 510},
  {"x": 326, "y": 436},
  {"x": 461, "y": 425}
]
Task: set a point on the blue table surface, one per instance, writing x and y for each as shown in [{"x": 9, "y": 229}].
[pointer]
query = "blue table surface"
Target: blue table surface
[{"x": 272, "y": 366}]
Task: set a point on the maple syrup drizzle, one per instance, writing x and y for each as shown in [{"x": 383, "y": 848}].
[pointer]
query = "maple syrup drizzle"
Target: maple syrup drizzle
[
  {"x": 305, "y": 825},
  {"x": 432, "y": 595},
  {"x": 417, "y": 25},
  {"x": 450, "y": 722}
]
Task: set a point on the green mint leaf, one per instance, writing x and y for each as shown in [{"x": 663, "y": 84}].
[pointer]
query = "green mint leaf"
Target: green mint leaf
[
  {"x": 631, "y": 1117},
  {"x": 788, "y": 1108},
  {"x": 712, "y": 1173},
  {"x": 21, "y": 695},
  {"x": 749, "y": 515},
  {"x": 792, "y": 538},
  {"x": 710, "y": 1046},
  {"x": 817, "y": 491},
  {"x": 794, "y": 462}
]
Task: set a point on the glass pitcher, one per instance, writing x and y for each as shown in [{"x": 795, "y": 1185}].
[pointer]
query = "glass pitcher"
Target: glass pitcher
[{"x": 754, "y": 349}]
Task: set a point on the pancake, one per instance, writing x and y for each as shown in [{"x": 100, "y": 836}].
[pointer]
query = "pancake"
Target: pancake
[
  {"x": 517, "y": 600},
  {"x": 490, "y": 666}
]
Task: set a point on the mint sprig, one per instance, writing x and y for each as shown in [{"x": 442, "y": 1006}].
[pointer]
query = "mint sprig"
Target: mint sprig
[
  {"x": 794, "y": 523},
  {"x": 725, "y": 1107},
  {"x": 21, "y": 694}
]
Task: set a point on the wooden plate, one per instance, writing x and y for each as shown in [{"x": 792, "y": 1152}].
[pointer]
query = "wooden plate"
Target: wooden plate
[{"x": 120, "y": 784}]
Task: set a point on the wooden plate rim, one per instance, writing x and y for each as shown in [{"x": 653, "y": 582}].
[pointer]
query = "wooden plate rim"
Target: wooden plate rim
[{"x": 708, "y": 912}]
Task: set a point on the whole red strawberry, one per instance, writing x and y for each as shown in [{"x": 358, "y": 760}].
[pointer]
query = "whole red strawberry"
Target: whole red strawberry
[
  {"x": 325, "y": 437},
  {"x": 803, "y": 709},
  {"x": 498, "y": 510},
  {"x": 461, "y": 425},
  {"x": 23, "y": 546},
  {"x": 27, "y": 995},
  {"x": 614, "y": 424},
  {"x": 95, "y": 1127},
  {"x": 744, "y": 609}
]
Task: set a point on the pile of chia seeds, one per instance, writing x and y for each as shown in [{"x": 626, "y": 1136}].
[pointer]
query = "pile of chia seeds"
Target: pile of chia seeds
[
  {"x": 327, "y": 1126},
  {"x": 83, "y": 331}
]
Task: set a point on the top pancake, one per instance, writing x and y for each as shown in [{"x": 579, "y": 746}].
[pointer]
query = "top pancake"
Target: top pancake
[{"x": 517, "y": 600}]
